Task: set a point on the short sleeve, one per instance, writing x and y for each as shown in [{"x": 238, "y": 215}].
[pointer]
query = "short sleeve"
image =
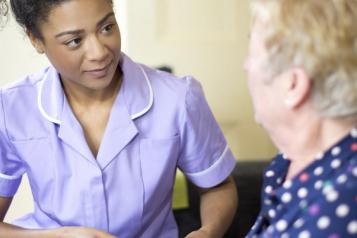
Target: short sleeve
[
  {"x": 205, "y": 157},
  {"x": 11, "y": 168}
]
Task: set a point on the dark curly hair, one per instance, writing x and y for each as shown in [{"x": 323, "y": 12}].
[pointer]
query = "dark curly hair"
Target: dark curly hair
[{"x": 30, "y": 13}]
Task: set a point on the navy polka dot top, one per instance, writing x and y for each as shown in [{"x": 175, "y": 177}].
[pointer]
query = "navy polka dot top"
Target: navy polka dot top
[{"x": 320, "y": 202}]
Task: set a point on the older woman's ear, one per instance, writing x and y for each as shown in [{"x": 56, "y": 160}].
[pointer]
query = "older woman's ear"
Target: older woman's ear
[{"x": 298, "y": 88}]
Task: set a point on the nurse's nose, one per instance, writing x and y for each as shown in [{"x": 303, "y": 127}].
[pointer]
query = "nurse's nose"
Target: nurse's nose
[{"x": 96, "y": 50}]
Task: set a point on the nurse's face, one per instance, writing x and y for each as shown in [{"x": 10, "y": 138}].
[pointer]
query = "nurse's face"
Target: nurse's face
[
  {"x": 81, "y": 39},
  {"x": 266, "y": 96}
]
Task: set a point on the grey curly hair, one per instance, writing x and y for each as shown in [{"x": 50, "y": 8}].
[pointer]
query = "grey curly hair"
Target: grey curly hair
[
  {"x": 321, "y": 37},
  {"x": 4, "y": 9}
]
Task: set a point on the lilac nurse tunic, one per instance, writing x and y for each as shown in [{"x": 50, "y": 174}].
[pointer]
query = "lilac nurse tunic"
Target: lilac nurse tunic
[{"x": 158, "y": 123}]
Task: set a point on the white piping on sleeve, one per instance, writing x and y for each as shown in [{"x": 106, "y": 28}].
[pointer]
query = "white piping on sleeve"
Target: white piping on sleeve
[
  {"x": 216, "y": 163},
  {"x": 8, "y": 177}
]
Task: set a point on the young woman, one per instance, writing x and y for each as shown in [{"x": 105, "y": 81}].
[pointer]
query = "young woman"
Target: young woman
[{"x": 100, "y": 136}]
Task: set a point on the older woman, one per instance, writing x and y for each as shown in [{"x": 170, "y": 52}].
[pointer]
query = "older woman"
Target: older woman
[
  {"x": 101, "y": 136},
  {"x": 302, "y": 76}
]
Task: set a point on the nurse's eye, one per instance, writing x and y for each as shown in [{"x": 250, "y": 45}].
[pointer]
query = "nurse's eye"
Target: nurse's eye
[
  {"x": 108, "y": 28},
  {"x": 73, "y": 43}
]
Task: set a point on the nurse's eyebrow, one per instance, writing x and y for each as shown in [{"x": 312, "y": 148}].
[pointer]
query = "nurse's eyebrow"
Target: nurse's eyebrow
[
  {"x": 74, "y": 32},
  {"x": 77, "y": 32},
  {"x": 105, "y": 18}
]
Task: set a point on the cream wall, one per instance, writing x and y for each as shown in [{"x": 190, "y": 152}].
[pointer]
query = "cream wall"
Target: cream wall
[
  {"x": 208, "y": 40},
  {"x": 234, "y": 112}
]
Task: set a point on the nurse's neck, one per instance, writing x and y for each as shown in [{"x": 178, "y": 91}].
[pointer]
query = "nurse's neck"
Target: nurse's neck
[{"x": 81, "y": 96}]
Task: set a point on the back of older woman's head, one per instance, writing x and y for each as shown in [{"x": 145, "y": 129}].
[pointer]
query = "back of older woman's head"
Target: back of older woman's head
[{"x": 321, "y": 37}]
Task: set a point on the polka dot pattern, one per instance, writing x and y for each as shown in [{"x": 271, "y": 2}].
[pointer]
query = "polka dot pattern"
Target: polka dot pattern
[
  {"x": 304, "y": 177},
  {"x": 354, "y": 171},
  {"x": 318, "y": 184},
  {"x": 323, "y": 222},
  {"x": 333, "y": 236},
  {"x": 314, "y": 210},
  {"x": 287, "y": 184},
  {"x": 272, "y": 213},
  {"x": 342, "y": 210},
  {"x": 286, "y": 197},
  {"x": 318, "y": 171},
  {"x": 342, "y": 179},
  {"x": 281, "y": 225},
  {"x": 319, "y": 156},
  {"x": 332, "y": 196},
  {"x": 302, "y": 192},
  {"x": 268, "y": 189},
  {"x": 336, "y": 151},
  {"x": 354, "y": 133},
  {"x": 354, "y": 147},
  {"x": 352, "y": 227},
  {"x": 319, "y": 202},
  {"x": 335, "y": 163},
  {"x": 270, "y": 173},
  {"x": 304, "y": 234},
  {"x": 285, "y": 235},
  {"x": 299, "y": 223}
]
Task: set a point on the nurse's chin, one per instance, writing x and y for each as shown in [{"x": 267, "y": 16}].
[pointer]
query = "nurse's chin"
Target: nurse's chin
[
  {"x": 96, "y": 85},
  {"x": 100, "y": 72}
]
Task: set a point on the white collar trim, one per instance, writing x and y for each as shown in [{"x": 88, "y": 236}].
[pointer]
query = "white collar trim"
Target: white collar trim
[
  {"x": 40, "y": 106},
  {"x": 151, "y": 96},
  {"x": 57, "y": 121}
]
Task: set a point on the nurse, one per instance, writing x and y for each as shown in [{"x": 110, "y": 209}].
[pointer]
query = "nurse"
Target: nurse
[{"x": 100, "y": 136}]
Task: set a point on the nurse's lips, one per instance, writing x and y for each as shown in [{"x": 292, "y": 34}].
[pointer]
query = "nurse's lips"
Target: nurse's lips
[{"x": 99, "y": 72}]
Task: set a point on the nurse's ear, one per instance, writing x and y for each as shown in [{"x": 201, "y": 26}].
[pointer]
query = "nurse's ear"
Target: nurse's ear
[{"x": 37, "y": 43}]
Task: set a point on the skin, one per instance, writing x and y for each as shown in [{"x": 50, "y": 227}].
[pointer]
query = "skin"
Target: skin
[
  {"x": 217, "y": 208},
  {"x": 286, "y": 110},
  {"x": 81, "y": 39}
]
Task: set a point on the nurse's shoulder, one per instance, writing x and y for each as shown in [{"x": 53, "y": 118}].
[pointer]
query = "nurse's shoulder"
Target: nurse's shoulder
[
  {"x": 19, "y": 106},
  {"x": 30, "y": 80},
  {"x": 171, "y": 87}
]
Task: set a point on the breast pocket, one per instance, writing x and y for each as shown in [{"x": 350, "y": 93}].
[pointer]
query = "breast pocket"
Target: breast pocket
[{"x": 159, "y": 161}]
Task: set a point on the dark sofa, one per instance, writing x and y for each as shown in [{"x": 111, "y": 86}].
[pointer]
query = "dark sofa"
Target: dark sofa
[{"x": 248, "y": 178}]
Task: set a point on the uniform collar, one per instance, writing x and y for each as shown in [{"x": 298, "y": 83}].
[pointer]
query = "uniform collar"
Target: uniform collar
[
  {"x": 136, "y": 88},
  {"x": 136, "y": 91},
  {"x": 50, "y": 98}
]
